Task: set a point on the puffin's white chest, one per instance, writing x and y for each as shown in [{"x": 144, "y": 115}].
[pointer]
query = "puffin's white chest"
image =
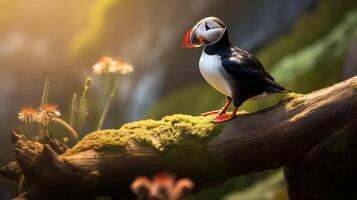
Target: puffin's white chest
[{"x": 212, "y": 70}]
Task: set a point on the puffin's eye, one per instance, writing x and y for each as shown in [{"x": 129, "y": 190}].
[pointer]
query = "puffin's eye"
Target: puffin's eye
[
  {"x": 207, "y": 27},
  {"x": 212, "y": 25}
]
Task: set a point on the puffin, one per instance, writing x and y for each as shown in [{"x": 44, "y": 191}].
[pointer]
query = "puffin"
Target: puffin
[{"x": 232, "y": 71}]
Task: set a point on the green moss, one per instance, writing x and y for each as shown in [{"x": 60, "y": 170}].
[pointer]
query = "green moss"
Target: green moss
[
  {"x": 293, "y": 100},
  {"x": 311, "y": 26},
  {"x": 162, "y": 135},
  {"x": 291, "y": 96}
]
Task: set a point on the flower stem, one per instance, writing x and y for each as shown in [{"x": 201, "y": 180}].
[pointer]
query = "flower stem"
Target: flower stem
[
  {"x": 107, "y": 80},
  {"x": 43, "y": 133},
  {"x": 108, "y": 103},
  {"x": 82, "y": 104},
  {"x": 65, "y": 125},
  {"x": 27, "y": 128},
  {"x": 74, "y": 110},
  {"x": 45, "y": 92}
]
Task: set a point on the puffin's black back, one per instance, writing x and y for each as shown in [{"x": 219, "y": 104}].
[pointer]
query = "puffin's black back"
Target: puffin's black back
[{"x": 248, "y": 73}]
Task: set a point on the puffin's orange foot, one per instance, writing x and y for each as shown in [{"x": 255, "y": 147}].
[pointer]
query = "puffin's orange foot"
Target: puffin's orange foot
[
  {"x": 223, "y": 118},
  {"x": 215, "y": 112}
]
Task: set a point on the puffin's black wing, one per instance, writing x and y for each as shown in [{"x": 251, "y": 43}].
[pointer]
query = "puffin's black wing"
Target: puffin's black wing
[{"x": 249, "y": 72}]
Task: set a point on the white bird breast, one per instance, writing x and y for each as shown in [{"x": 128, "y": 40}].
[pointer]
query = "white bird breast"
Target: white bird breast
[{"x": 213, "y": 72}]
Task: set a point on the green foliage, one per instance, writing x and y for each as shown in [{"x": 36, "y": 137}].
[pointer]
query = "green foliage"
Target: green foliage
[
  {"x": 86, "y": 43},
  {"x": 309, "y": 28},
  {"x": 238, "y": 183},
  {"x": 269, "y": 188},
  {"x": 320, "y": 63}
]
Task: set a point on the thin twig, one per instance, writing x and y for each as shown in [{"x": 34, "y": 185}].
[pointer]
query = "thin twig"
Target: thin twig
[{"x": 65, "y": 125}]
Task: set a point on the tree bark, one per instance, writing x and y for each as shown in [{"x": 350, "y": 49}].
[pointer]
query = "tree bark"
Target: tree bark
[{"x": 303, "y": 134}]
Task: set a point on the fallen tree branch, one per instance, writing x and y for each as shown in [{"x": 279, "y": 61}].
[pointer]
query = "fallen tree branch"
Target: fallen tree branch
[
  {"x": 278, "y": 136},
  {"x": 11, "y": 171}
]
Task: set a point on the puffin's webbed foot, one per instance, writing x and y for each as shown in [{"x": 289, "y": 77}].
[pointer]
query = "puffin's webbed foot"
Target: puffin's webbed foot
[{"x": 224, "y": 118}]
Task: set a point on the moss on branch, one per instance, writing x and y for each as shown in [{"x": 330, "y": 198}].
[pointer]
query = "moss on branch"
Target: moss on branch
[
  {"x": 162, "y": 135},
  {"x": 180, "y": 140}
]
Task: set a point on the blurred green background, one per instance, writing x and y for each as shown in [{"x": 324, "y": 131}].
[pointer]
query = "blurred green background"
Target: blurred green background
[{"x": 305, "y": 44}]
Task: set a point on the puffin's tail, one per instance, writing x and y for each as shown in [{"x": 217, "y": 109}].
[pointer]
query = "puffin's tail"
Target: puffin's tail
[{"x": 275, "y": 87}]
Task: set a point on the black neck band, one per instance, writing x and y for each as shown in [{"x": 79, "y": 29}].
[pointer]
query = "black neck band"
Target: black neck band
[{"x": 220, "y": 44}]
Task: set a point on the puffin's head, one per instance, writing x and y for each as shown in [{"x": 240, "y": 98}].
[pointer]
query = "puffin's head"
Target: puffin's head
[{"x": 207, "y": 31}]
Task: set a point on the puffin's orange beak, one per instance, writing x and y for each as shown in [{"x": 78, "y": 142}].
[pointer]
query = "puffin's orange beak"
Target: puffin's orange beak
[
  {"x": 190, "y": 40},
  {"x": 186, "y": 43}
]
